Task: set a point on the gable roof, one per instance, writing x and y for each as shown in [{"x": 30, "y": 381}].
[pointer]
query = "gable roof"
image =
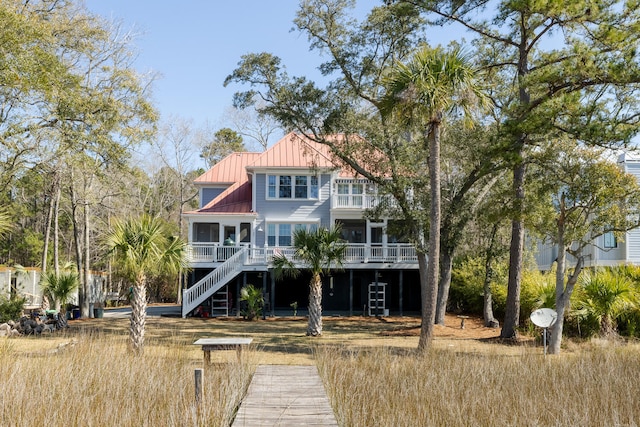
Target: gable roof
[
  {"x": 229, "y": 170},
  {"x": 234, "y": 200},
  {"x": 294, "y": 151}
]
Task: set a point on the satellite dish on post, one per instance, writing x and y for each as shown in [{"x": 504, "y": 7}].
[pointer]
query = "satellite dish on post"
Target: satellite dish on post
[{"x": 544, "y": 318}]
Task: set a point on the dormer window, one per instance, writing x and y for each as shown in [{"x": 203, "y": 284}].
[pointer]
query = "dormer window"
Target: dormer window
[{"x": 292, "y": 187}]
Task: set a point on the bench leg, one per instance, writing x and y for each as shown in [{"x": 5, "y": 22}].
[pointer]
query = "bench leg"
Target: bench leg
[
  {"x": 207, "y": 357},
  {"x": 239, "y": 353}
]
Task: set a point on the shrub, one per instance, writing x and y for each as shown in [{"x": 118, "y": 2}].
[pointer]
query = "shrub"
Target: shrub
[
  {"x": 538, "y": 290},
  {"x": 11, "y": 308},
  {"x": 466, "y": 294},
  {"x": 606, "y": 297}
]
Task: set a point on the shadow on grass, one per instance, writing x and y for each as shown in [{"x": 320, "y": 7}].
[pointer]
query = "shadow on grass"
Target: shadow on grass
[{"x": 287, "y": 335}]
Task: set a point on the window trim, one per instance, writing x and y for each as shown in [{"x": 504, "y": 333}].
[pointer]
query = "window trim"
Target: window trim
[
  {"x": 276, "y": 227},
  {"x": 274, "y": 186}
]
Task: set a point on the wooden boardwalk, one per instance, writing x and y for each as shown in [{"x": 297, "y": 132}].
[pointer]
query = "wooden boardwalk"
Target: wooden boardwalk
[{"x": 283, "y": 395}]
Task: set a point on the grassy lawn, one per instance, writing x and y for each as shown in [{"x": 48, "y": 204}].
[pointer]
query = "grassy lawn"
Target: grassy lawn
[{"x": 85, "y": 375}]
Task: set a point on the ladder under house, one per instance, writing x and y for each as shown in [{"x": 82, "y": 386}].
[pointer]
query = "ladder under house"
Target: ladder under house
[
  {"x": 377, "y": 299},
  {"x": 220, "y": 302},
  {"x": 213, "y": 282}
]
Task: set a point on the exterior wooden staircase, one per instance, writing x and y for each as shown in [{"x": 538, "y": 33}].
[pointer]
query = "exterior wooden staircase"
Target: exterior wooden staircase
[{"x": 213, "y": 282}]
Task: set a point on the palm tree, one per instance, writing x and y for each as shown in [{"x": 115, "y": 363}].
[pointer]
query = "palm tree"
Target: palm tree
[
  {"x": 5, "y": 222},
  {"x": 254, "y": 300},
  {"x": 319, "y": 251},
  {"x": 433, "y": 83},
  {"x": 605, "y": 295},
  {"x": 60, "y": 286},
  {"x": 144, "y": 246}
]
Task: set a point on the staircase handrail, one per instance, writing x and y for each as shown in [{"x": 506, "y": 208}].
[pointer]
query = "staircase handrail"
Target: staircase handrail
[{"x": 213, "y": 281}]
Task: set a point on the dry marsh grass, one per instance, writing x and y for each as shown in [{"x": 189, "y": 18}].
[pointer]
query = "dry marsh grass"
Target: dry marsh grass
[
  {"x": 384, "y": 387},
  {"x": 94, "y": 381},
  {"x": 87, "y": 377}
]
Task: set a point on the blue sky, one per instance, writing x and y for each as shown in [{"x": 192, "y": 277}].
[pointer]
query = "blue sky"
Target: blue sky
[{"x": 195, "y": 44}]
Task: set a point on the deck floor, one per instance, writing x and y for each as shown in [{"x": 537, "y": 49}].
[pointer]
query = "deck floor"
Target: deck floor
[{"x": 284, "y": 395}]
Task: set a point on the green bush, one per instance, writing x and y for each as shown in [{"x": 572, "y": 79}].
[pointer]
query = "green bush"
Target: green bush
[
  {"x": 466, "y": 294},
  {"x": 607, "y": 296},
  {"x": 11, "y": 308},
  {"x": 467, "y": 290},
  {"x": 538, "y": 290},
  {"x": 252, "y": 302}
]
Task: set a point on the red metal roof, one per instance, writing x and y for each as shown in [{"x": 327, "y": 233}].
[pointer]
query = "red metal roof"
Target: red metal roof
[
  {"x": 294, "y": 151},
  {"x": 234, "y": 200},
  {"x": 228, "y": 170}
]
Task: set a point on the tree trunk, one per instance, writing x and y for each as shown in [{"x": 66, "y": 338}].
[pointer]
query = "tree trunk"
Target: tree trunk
[
  {"x": 555, "y": 339},
  {"x": 56, "y": 231},
  {"x": 561, "y": 265},
  {"x": 487, "y": 307},
  {"x": 47, "y": 234},
  {"x": 138, "y": 315},
  {"x": 315, "y": 306},
  {"x": 77, "y": 240},
  {"x": 86, "y": 312},
  {"x": 516, "y": 251},
  {"x": 446, "y": 265},
  {"x": 430, "y": 294},
  {"x": 563, "y": 293}
]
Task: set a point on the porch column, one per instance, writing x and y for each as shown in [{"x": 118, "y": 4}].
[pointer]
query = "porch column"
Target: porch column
[
  {"x": 264, "y": 291},
  {"x": 272, "y": 297},
  {"x": 401, "y": 276},
  {"x": 350, "y": 292},
  {"x": 376, "y": 288}
]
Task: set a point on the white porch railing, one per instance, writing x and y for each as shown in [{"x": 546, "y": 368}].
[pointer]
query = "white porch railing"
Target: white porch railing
[
  {"x": 396, "y": 252},
  {"x": 356, "y": 253},
  {"x": 211, "y": 252},
  {"x": 214, "y": 281},
  {"x": 356, "y": 201}
]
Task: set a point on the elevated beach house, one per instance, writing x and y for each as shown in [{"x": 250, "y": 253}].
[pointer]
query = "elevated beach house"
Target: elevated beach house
[{"x": 250, "y": 205}]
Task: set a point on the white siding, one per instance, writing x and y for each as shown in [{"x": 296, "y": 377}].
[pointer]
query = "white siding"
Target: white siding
[{"x": 632, "y": 243}]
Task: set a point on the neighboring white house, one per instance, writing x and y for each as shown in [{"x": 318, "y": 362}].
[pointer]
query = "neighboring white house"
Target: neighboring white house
[
  {"x": 25, "y": 282},
  {"x": 606, "y": 250},
  {"x": 250, "y": 204}
]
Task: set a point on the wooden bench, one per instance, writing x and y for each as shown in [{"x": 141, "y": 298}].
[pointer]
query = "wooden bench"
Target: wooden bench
[{"x": 230, "y": 343}]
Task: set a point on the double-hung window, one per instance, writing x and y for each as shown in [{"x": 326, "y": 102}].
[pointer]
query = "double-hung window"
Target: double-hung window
[
  {"x": 292, "y": 187},
  {"x": 284, "y": 187}
]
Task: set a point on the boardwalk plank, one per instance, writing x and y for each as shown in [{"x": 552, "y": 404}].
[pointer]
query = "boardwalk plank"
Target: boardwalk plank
[{"x": 282, "y": 395}]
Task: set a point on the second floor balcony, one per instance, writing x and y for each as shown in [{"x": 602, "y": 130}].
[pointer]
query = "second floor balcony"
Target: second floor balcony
[{"x": 210, "y": 255}]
